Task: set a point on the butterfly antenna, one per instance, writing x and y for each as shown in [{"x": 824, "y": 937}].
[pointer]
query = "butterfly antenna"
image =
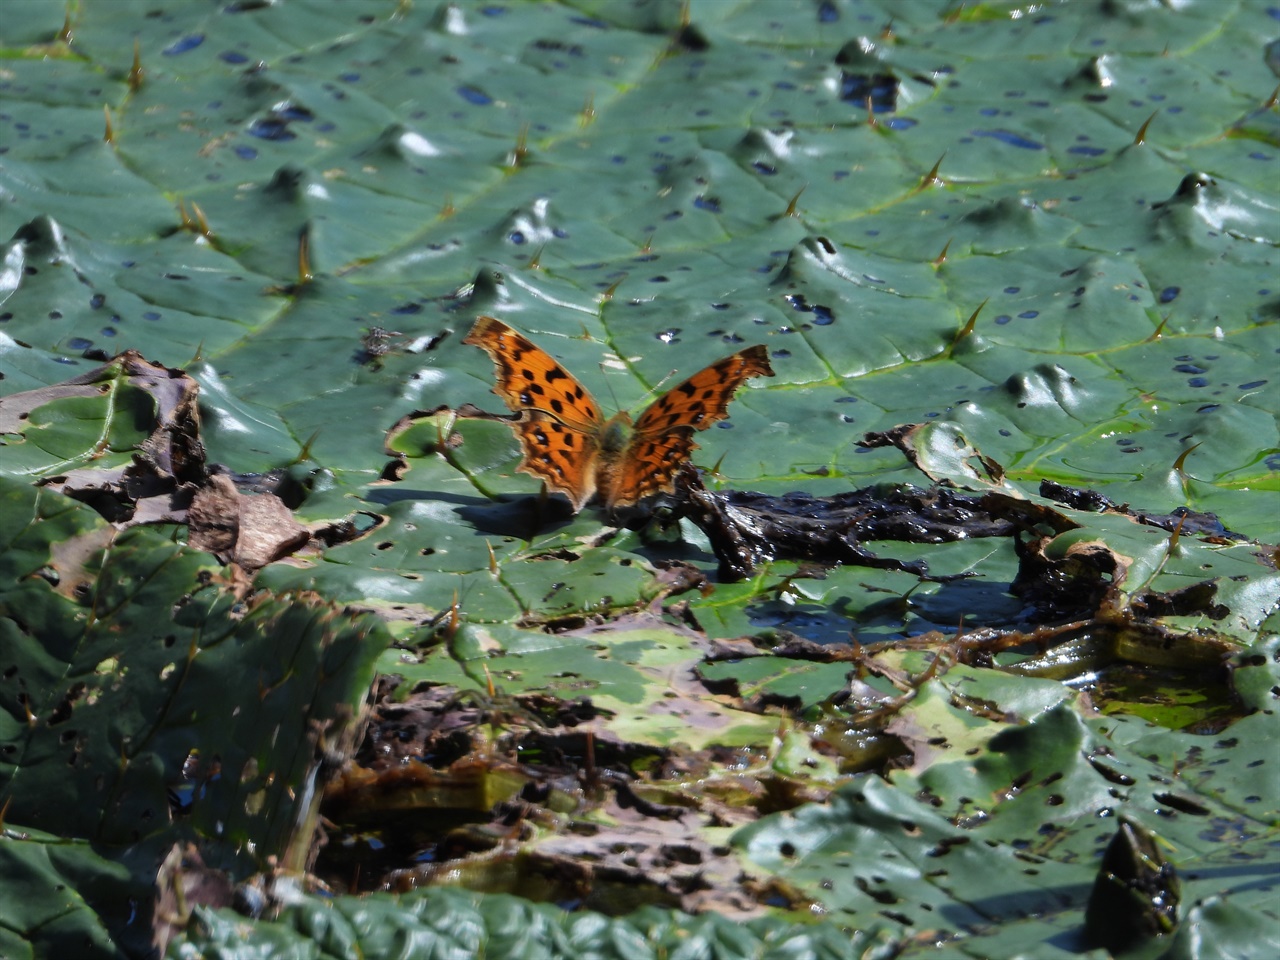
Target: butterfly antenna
[
  {"x": 649, "y": 394},
  {"x": 661, "y": 383},
  {"x": 608, "y": 382}
]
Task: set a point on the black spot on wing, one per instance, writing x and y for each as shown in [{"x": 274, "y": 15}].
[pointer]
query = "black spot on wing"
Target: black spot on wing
[{"x": 531, "y": 392}]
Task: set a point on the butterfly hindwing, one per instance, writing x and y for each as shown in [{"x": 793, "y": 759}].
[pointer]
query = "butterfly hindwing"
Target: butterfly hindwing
[
  {"x": 649, "y": 466},
  {"x": 559, "y": 454}
]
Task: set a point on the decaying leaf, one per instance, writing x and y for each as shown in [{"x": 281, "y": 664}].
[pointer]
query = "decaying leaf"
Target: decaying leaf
[{"x": 250, "y": 530}]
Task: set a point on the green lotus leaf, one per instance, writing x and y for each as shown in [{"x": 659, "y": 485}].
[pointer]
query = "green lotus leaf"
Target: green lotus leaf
[
  {"x": 62, "y": 898},
  {"x": 1042, "y": 242},
  {"x": 453, "y": 924}
]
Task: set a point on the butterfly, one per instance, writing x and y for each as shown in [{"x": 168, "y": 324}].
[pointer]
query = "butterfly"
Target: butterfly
[{"x": 568, "y": 444}]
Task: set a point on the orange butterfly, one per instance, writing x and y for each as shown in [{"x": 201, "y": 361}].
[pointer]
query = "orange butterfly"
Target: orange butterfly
[{"x": 576, "y": 451}]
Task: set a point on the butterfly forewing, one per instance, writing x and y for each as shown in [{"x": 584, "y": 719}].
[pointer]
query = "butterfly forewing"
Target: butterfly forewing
[
  {"x": 560, "y": 424},
  {"x": 663, "y": 437},
  {"x": 704, "y": 398},
  {"x": 529, "y": 378}
]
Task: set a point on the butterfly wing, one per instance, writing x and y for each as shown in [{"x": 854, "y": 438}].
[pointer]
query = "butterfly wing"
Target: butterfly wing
[
  {"x": 529, "y": 378},
  {"x": 559, "y": 427},
  {"x": 663, "y": 436}
]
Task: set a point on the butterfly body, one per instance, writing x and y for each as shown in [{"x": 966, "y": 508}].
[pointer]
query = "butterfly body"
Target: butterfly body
[
  {"x": 616, "y": 433},
  {"x": 567, "y": 442}
]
